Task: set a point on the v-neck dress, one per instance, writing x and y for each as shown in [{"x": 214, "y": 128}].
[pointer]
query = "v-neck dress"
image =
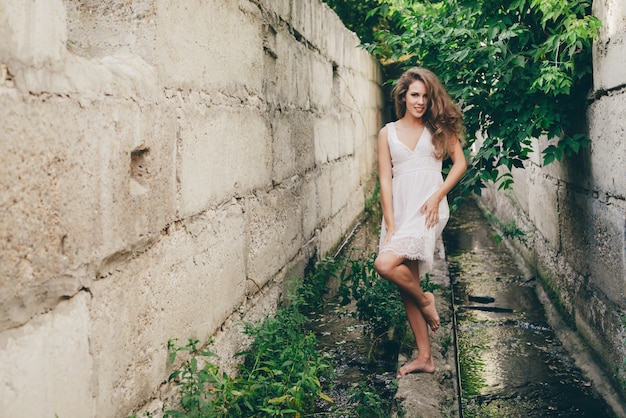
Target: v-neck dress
[{"x": 416, "y": 176}]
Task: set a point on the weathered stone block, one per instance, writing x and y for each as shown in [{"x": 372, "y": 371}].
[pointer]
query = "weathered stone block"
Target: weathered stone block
[
  {"x": 216, "y": 143},
  {"x": 301, "y": 18},
  {"x": 118, "y": 167},
  {"x": 597, "y": 320},
  {"x": 321, "y": 82},
  {"x": 184, "y": 287},
  {"x": 350, "y": 45},
  {"x": 608, "y": 150},
  {"x": 293, "y": 73},
  {"x": 520, "y": 186},
  {"x": 47, "y": 366},
  {"x": 349, "y": 134},
  {"x": 274, "y": 228},
  {"x": 560, "y": 276},
  {"x": 323, "y": 184},
  {"x": 317, "y": 24},
  {"x": 495, "y": 202},
  {"x": 339, "y": 224},
  {"x": 592, "y": 236},
  {"x": 335, "y": 44},
  {"x": 292, "y": 145},
  {"x": 609, "y": 53},
  {"x": 543, "y": 206},
  {"x": 326, "y": 135},
  {"x": 282, "y": 8},
  {"x": 342, "y": 190},
  {"x": 105, "y": 28},
  {"x": 33, "y": 33},
  {"x": 210, "y": 45},
  {"x": 608, "y": 273}
]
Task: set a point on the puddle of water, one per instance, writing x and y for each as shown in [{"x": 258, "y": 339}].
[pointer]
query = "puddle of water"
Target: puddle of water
[{"x": 511, "y": 362}]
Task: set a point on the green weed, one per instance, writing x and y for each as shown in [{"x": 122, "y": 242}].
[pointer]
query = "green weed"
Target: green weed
[
  {"x": 368, "y": 403},
  {"x": 314, "y": 285},
  {"x": 509, "y": 229},
  {"x": 281, "y": 374}
]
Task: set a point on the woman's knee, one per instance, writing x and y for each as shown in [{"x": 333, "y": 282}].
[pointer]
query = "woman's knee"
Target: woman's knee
[{"x": 382, "y": 265}]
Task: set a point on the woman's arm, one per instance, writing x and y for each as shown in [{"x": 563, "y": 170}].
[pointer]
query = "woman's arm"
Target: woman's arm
[
  {"x": 459, "y": 165},
  {"x": 384, "y": 176}
]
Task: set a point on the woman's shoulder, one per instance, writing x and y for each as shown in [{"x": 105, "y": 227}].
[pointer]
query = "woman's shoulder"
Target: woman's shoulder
[
  {"x": 384, "y": 129},
  {"x": 384, "y": 132},
  {"x": 387, "y": 127}
]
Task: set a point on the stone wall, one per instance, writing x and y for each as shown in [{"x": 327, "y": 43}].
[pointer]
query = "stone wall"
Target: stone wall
[
  {"x": 165, "y": 166},
  {"x": 574, "y": 213}
]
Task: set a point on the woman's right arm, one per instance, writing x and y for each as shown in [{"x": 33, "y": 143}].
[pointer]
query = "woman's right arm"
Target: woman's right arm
[{"x": 384, "y": 176}]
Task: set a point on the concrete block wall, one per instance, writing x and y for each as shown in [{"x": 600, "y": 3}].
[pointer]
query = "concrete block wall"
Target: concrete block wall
[
  {"x": 165, "y": 166},
  {"x": 575, "y": 212}
]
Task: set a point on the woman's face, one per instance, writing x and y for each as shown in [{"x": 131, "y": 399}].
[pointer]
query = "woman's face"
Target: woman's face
[{"x": 416, "y": 99}]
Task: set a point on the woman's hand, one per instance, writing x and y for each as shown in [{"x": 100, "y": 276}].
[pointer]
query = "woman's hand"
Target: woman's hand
[
  {"x": 390, "y": 232},
  {"x": 430, "y": 210}
]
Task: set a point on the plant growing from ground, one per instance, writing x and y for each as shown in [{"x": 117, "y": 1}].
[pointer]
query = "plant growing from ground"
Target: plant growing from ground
[
  {"x": 314, "y": 285},
  {"x": 368, "y": 403},
  {"x": 509, "y": 229},
  {"x": 280, "y": 376}
]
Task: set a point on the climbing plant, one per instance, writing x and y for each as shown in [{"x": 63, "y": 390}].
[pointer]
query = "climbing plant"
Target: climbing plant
[{"x": 520, "y": 69}]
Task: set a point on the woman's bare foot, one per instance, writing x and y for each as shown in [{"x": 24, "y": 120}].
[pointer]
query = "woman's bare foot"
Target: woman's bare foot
[
  {"x": 430, "y": 312},
  {"x": 417, "y": 366}
]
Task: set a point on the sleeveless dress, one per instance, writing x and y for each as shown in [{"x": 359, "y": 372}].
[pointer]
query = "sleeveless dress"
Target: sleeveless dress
[{"x": 416, "y": 176}]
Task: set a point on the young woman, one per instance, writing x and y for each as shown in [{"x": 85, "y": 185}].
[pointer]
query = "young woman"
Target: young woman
[{"x": 413, "y": 195}]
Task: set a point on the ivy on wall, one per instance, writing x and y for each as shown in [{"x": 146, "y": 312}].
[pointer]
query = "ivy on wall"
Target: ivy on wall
[{"x": 520, "y": 69}]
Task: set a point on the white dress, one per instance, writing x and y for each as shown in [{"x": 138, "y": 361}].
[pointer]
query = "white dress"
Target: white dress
[{"x": 416, "y": 176}]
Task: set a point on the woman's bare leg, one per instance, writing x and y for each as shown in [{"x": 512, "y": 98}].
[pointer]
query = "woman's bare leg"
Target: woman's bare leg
[
  {"x": 394, "y": 269},
  {"x": 424, "y": 362}
]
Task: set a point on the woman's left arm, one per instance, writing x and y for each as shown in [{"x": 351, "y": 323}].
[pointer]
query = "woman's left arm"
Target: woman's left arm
[{"x": 459, "y": 165}]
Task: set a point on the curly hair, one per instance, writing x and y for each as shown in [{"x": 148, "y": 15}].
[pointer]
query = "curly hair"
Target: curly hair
[{"x": 443, "y": 118}]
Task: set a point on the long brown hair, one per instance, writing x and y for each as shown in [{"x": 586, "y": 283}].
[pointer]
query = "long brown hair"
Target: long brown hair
[{"x": 443, "y": 118}]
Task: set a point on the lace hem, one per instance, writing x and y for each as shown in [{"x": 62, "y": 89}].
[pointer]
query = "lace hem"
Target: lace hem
[
  {"x": 424, "y": 265},
  {"x": 413, "y": 248},
  {"x": 421, "y": 249}
]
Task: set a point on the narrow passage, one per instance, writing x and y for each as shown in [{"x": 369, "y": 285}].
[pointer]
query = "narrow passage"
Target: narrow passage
[{"x": 511, "y": 362}]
